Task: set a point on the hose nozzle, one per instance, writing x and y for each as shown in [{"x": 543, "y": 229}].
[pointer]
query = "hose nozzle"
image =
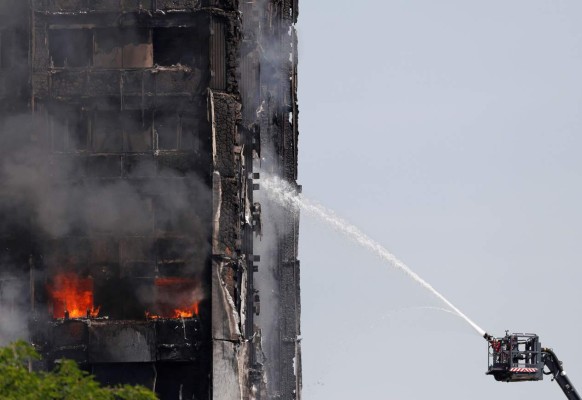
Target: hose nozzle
[{"x": 488, "y": 337}]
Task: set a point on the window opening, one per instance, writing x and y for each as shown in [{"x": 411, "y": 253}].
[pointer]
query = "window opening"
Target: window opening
[
  {"x": 108, "y": 133},
  {"x": 71, "y": 48},
  {"x": 124, "y": 48},
  {"x": 189, "y": 134},
  {"x": 70, "y": 128},
  {"x": 166, "y": 126},
  {"x": 173, "y": 46},
  {"x": 4, "y": 55},
  {"x": 137, "y": 131}
]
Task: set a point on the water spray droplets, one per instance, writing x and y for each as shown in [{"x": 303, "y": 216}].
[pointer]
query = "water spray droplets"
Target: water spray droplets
[{"x": 287, "y": 195}]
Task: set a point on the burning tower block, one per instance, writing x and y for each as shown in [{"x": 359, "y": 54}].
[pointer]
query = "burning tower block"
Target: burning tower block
[{"x": 129, "y": 130}]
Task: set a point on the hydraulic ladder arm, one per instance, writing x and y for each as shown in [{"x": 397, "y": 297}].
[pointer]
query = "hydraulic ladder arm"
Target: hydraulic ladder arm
[{"x": 555, "y": 366}]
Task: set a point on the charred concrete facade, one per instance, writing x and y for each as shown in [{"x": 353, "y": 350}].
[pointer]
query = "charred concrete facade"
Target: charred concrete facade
[{"x": 134, "y": 136}]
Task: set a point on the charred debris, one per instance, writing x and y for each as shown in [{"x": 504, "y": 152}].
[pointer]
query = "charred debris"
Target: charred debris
[{"x": 133, "y": 135}]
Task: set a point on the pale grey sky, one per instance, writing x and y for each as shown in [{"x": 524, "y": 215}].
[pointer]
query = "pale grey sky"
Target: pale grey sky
[{"x": 450, "y": 132}]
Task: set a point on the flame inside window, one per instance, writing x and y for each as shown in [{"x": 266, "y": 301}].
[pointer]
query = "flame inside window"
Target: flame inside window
[
  {"x": 176, "y": 298},
  {"x": 73, "y": 295}
]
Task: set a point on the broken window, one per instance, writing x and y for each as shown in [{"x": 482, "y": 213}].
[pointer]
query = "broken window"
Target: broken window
[
  {"x": 123, "y": 48},
  {"x": 108, "y": 53},
  {"x": 70, "y": 128},
  {"x": 104, "y": 166},
  {"x": 104, "y": 250},
  {"x": 137, "y": 249},
  {"x": 78, "y": 129},
  {"x": 166, "y": 126},
  {"x": 138, "y": 131},
  {"x": 4, "y": 54},
  {"x": 189, "y": 139},
  {"x": 177, "y": 132},
  {"x": 108, "y": 133},
  {"x": 137, "y": 48},
  {"x": 174, "y": 46},
  {"x": 72, "y": 48},
  {"x": 129, "y": 131}
]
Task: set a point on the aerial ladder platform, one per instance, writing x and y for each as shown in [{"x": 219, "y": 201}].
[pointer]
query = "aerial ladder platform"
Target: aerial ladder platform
[{"x": 520, "y": 357}]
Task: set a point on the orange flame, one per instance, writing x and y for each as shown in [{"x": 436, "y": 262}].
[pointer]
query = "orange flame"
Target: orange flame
[
  {"x": 175, "y": 298},
  {"x": 149, "y": 315},
  {"x": 72, "y": 294},
  {"x": 186, "y": 313}
]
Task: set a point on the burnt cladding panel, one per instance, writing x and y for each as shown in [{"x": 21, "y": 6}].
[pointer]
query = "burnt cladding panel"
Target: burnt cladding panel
[
  {"x": 69, "y": 340},
  {"x": 119, "y": 342},
  {"x": 178, "y": 340}
]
